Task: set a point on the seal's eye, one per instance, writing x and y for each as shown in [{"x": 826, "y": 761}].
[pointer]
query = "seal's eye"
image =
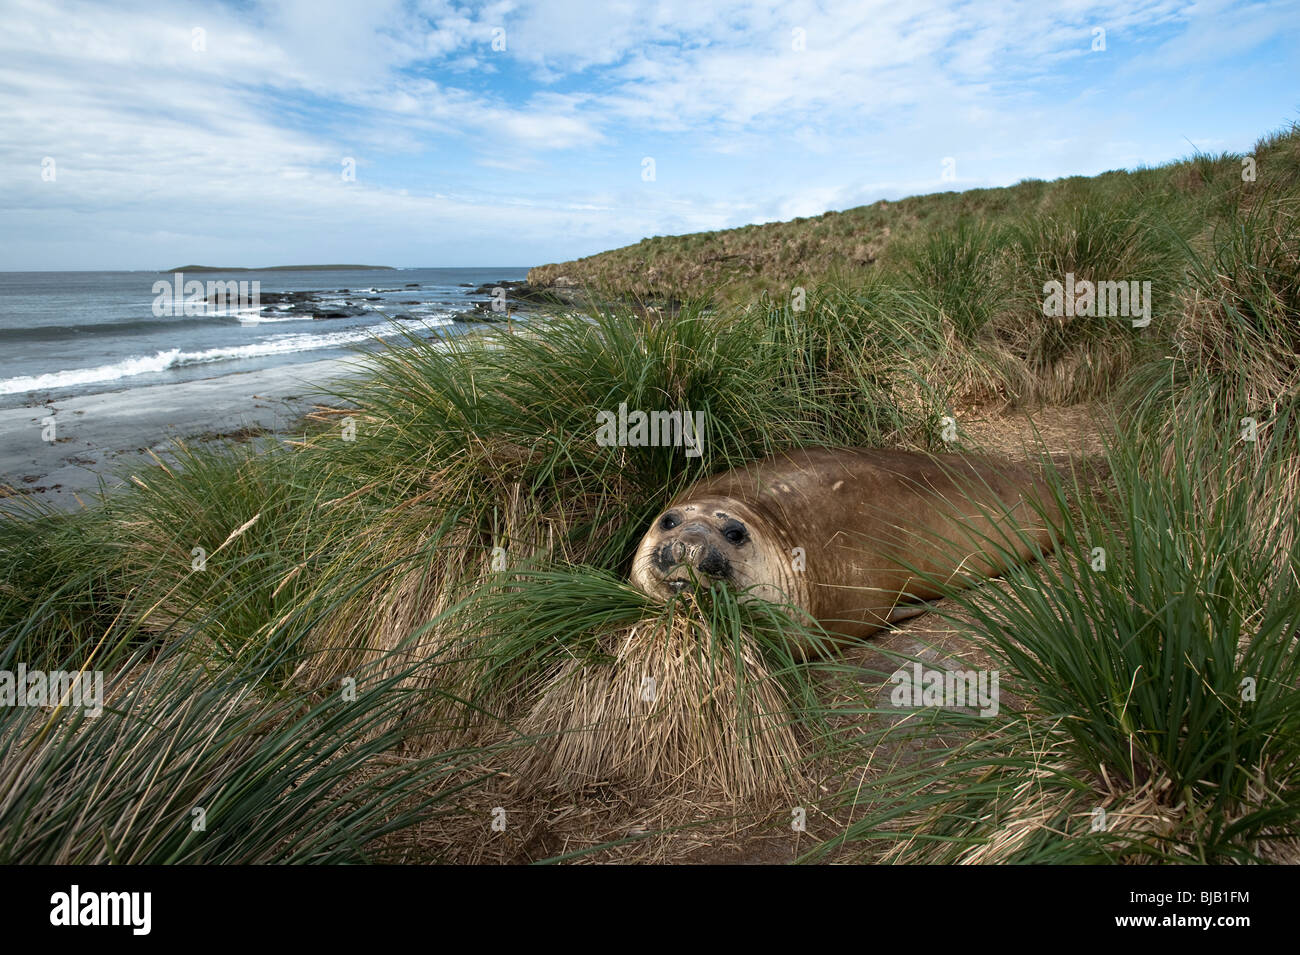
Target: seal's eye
[
  {"x": 669, "y": 521},
  {"x": 735, "y": 532}
]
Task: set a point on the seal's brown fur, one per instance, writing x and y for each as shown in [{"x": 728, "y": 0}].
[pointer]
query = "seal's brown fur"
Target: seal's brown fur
[{"x": 878, "y": 531}]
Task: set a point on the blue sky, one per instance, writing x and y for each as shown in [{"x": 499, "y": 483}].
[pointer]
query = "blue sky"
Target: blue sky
[{"x": 214, "y": 132}]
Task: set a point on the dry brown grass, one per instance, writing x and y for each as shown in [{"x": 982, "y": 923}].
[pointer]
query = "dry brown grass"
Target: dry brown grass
[{"x": 671, "y": 712}]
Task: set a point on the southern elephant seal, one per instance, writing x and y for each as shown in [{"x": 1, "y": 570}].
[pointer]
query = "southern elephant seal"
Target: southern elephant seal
[{"x": 856, "y": 538}]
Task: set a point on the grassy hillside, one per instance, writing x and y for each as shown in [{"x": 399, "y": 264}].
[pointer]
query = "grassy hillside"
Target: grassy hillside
[
  {"x": 413, "y": 622},
  {"x": 738, "y": 264}
]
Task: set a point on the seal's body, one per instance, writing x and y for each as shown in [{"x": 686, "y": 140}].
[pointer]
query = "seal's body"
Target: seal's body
[{"x": 856, "y": 538}]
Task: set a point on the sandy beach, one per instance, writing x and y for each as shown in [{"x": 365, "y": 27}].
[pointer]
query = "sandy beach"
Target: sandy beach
[{"x": 105, "y": 436}]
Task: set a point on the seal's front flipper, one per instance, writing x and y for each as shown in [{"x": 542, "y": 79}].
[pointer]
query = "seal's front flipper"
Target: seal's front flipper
[{"x": 907, "y": 612}]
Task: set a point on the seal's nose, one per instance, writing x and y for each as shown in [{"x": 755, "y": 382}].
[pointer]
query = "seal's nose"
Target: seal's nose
[
  {"x": 676, "y": 586},
  {"x": 690, "y": 544}
]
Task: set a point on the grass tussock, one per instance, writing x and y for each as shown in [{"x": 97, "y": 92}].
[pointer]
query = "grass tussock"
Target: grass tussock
[
  {"x": 671, "y": 710},
  {"x": 191, "y": 764}
]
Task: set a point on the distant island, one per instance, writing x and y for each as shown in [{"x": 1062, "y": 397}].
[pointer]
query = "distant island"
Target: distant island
[{"x": 284, "y": 268}]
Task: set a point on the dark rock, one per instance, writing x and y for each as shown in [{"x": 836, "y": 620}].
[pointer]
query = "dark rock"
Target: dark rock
[
  {"x": 284, "y": 298},
  {"x": 508, "y": 285},
  {"x": 482, "y": 312},
  {"x": 346, "y": 311},
  {"x": 266, "y": 298},
  {"x": 521, "y": 294}
]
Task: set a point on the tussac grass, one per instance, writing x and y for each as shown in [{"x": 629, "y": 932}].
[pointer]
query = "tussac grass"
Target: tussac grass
[
  {"x": 1161, "y": 686},
  {"x": 56, "y": 598},
  {"x": 705, "y": 696},
  {"x": 200, "y": 765},
  {"x": 461, "y": 557}
]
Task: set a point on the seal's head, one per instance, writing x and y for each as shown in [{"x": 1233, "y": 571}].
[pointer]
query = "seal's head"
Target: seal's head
[{"x": 707, "y": 541}]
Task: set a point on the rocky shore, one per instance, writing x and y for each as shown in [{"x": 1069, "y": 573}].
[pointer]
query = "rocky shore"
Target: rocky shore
[
  {"x": 522, "y": 297},
  {"x": 491, "y": 302},
  {"x": 310, "y": 302},
  {"x": 558, "y": 292}
]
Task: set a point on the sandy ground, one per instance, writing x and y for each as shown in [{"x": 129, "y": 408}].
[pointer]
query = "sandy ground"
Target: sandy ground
[{"x": 107, "y": 435}]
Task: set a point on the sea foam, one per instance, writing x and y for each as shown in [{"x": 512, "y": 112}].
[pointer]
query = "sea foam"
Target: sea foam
[{"x": 176, "y": 358}]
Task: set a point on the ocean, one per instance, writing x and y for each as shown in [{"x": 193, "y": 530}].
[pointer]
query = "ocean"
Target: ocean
[{"x": 76, "y": 333}]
